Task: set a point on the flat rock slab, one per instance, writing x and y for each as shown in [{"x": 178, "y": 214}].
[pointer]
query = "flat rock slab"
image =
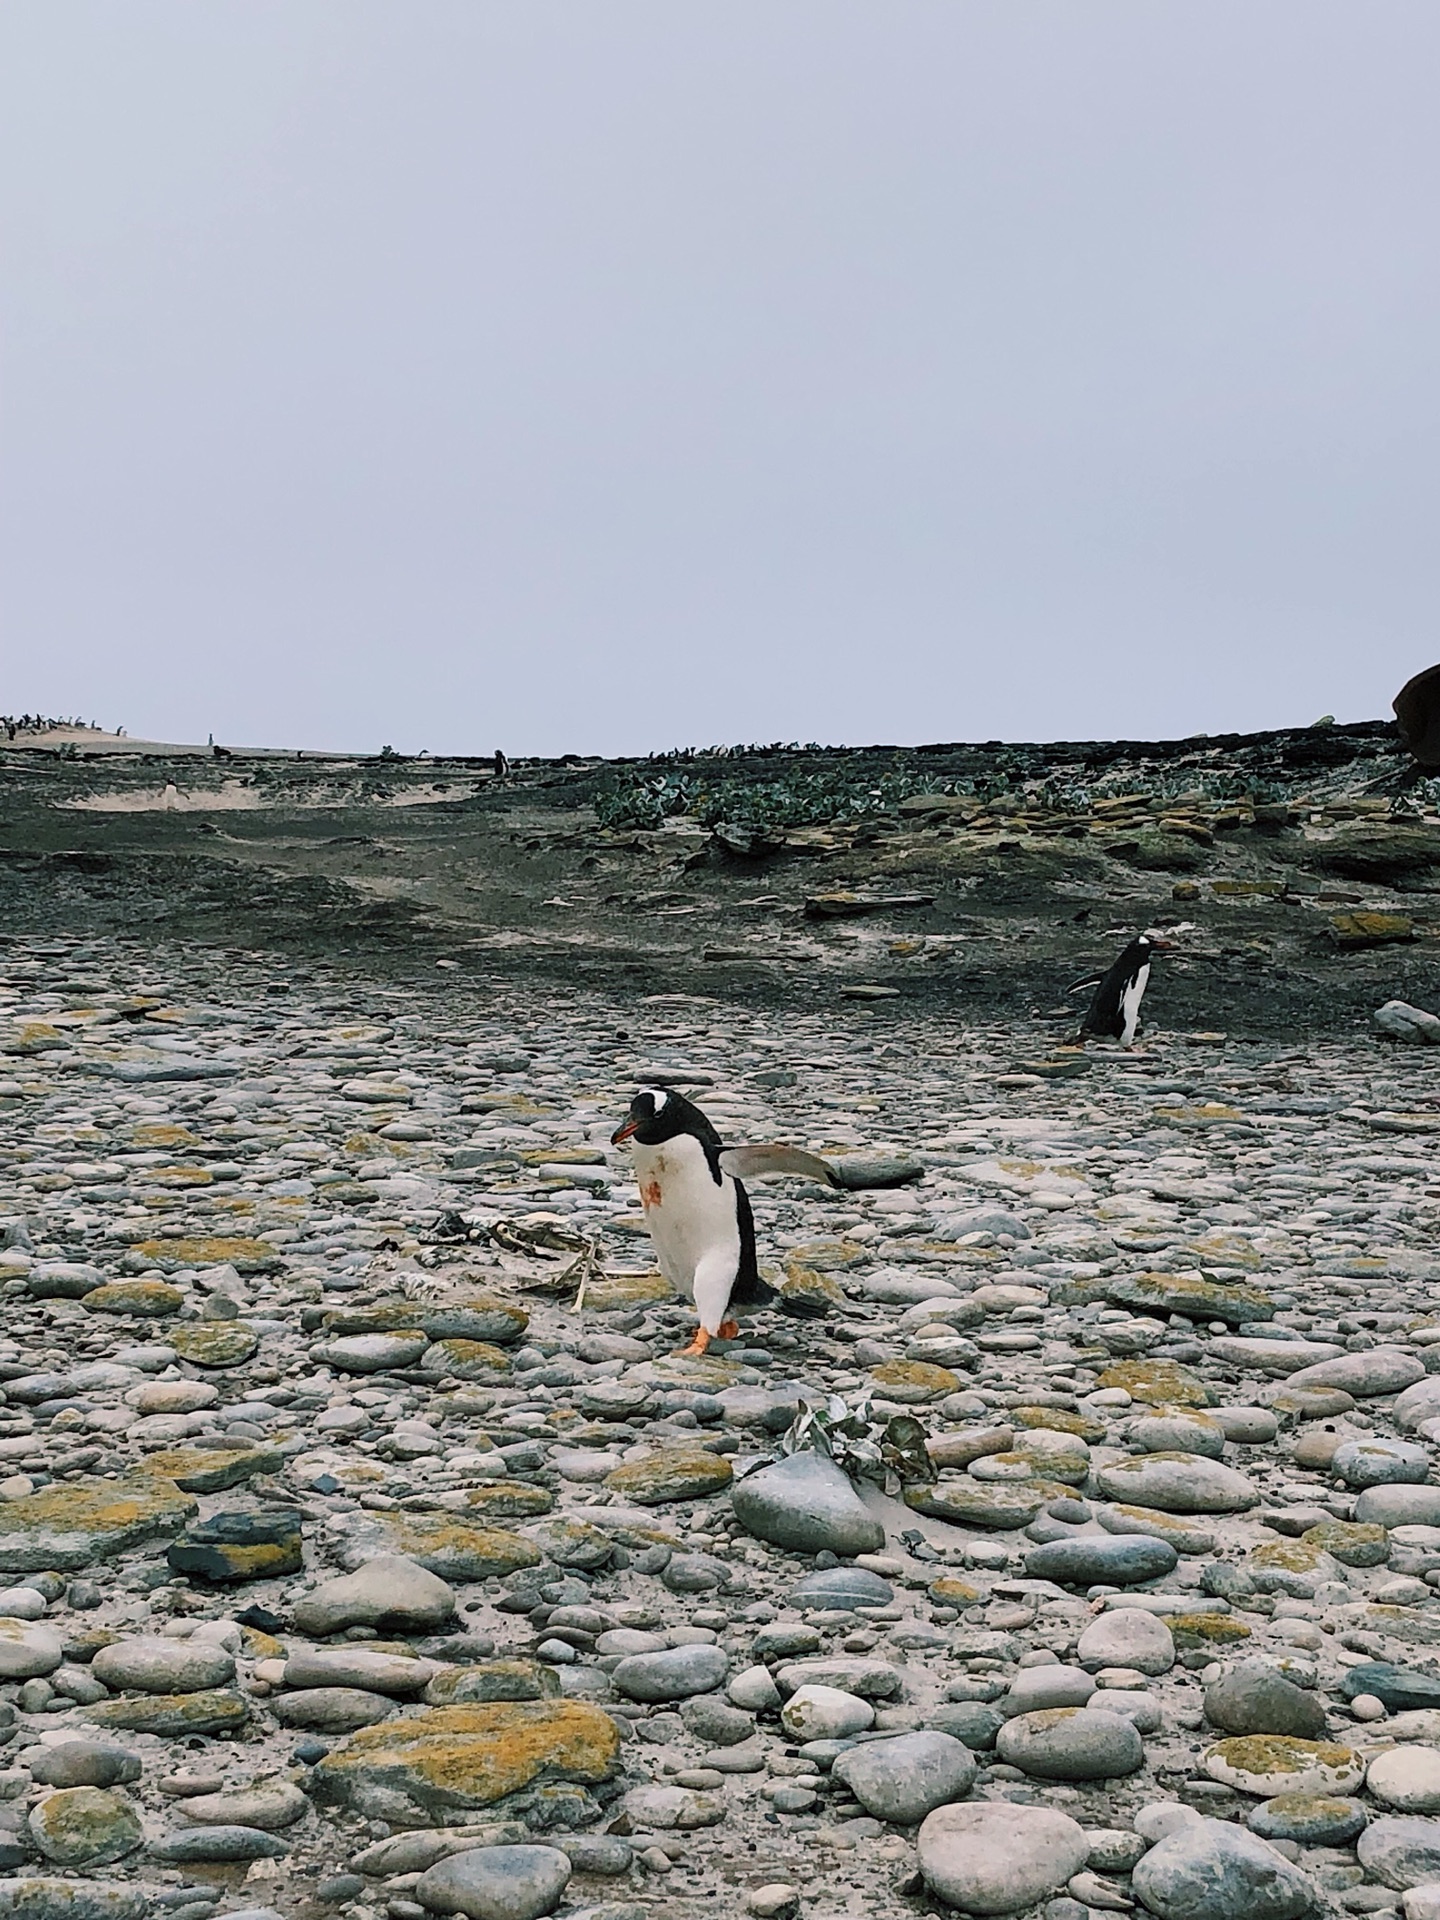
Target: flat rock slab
[
  {"x": 1178, "y": 1483},
  {"x": 1398, "y": 1689},
  {"x": 1270, "y": 1763},
  {"x": 212, "y": 1469},
  {"x": 450, "y": 1758},
  {"x": 83, "y": 1522},
  {"x": 1101, "y": 1559},
  {"x": 173, "y": 1716},
  {"x": 999, "y": 1506},
  {"x": 1273, "y": 1356},
  {"x": 672, "y": 1474},
  {"x": 468, "y": 1316},
  {"x": 1379, "y": 1370},
  {"x": 1186, "y": 1293},
  {"x": 449, "y": 1546}
]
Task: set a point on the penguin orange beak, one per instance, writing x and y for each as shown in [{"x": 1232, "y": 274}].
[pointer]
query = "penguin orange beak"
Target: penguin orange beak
[{"x": 624, "y": 1132}]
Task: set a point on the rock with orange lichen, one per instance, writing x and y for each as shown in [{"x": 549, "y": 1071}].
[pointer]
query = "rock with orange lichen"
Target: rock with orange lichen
[
  {"x": 80, "y": 1522},
  {"x": 444, "y": 1544},
  {"x": 409, "y": 1771}
]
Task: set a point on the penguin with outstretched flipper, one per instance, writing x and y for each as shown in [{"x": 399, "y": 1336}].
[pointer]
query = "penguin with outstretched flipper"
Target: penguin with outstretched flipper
[
  {"x": 696, "y": 1209},
  {"x": 1115, "y": 1007}
]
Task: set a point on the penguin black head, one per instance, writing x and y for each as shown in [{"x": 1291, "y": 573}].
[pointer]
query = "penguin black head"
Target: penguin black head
[{"x": 660, "y": 1114}]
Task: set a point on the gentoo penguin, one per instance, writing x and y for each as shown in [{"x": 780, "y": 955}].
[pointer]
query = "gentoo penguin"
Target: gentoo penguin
[
  {"x": 696, "y": 1209},
  {"x": 1115, "y": 1008}
]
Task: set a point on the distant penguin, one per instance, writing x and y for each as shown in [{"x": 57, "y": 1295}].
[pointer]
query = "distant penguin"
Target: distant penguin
[
  {"x": 696, "y": 1209},
  {"x": 1115, "y": 1008}
]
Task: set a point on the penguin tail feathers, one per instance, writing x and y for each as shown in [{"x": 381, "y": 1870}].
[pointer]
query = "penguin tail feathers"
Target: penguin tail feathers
[{"x": 751, "y": 1291}]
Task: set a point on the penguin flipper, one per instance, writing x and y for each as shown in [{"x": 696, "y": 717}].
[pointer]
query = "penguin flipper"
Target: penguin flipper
[
  {"x": 1090, "y": 980},
  {"x": 753, "y": 1163}
]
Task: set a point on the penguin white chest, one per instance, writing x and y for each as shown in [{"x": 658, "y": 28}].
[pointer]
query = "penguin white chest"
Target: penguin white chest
[
  {"x": 1130, "y": 998},
  {"x": 691, "y": 1217}
]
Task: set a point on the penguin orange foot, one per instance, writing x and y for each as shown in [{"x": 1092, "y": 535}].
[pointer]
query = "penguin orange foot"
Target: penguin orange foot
[{"x": 698, "y": 1345}]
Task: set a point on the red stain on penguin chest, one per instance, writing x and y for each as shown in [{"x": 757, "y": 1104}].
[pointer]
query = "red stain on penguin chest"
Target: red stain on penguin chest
[{"x": 650, "y": 1193}]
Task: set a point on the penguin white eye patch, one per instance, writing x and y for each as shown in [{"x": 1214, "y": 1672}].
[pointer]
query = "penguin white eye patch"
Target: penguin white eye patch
[{"x": 658, "y": 1095}]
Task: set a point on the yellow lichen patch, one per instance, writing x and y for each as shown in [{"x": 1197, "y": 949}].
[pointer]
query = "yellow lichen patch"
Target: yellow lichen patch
[
  {"x": 246, "y": 1256},
  {"x": 507, "y": 1500},
  {"x": 710, "y": 1372},
  {"x": 1224, "y": 1250},
  {"x": 487, "y": 1681},
  {"x": 158, "y": 1134},
  {"x": 1035, "y": 1169},
  {"x": 85, "y": 1521},
  {"x": 1267, "y": 1764},
  {"x": 672, "y": 1473},
  {"x": 85, "y": 1827},
  {"x": 623, "y": 1290},
  {"x": 950, "y": 1591},
  {"x": 1354, "y": 1543},
  {"x": 174, "y": 1715},
  {"x": 1289, "y": 1556},
  {"x": 1188, "y": 1293},
  {"x": 472, "y": 1756},
  {"x": 828, "y": 1256},
  {"x": 1157, "y": 1382},
  {"x": 215, "y": 1343},
  {"x": 179, "y": 1176},
  {"x": 146, "y": 1299},
  {"x": 1186, "y": 1534},
  {"x": 912, "y": 1381},
  {"x": 1057, "y": 1420},
  {"x": 35, "y": 1036},
  {"x": 505, "y": 1103},
  {"x": 1063, "y": 1456},
  {"x": 211, "y": 1469},
  {"x": 807, "y": 1293},
  {"x": 1212, "y": 1114},
  {"x": 452, "y": 1547},
  {"x": 1351, "y": 931},
  {"x": 357, "y": 1475},
  {"x": 259, "y": 1645},
  {"x": 466, "y": 1360},
  {"x": 467, "y": 1317},
  {"x": 1193, "y": 1631}
]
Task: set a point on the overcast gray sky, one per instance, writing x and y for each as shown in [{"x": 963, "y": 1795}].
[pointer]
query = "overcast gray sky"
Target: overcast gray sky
[{"x": 622, "y": 375}]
